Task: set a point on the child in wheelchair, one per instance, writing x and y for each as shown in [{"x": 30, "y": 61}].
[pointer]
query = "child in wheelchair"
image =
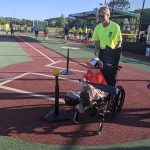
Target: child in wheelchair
[
  {"x": 93, "y": 75},
  {"x": 87, "y": 92}
]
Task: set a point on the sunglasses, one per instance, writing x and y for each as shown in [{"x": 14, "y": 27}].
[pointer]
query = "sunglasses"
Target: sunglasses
[{"x": 101, "y": 16}]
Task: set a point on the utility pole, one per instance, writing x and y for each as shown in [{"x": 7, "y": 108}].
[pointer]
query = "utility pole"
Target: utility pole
[
  {"x": 113, "y": 5},
  {"x": 141, "y": 18}
]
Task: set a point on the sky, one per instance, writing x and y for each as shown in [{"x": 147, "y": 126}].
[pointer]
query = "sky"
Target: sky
[{"x": 45, "y": 9}]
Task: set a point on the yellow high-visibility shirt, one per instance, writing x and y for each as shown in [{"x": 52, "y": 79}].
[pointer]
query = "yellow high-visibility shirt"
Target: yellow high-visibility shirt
[
  {"x": 107, "y": 36},
  {"x": 7, "y": 26}
]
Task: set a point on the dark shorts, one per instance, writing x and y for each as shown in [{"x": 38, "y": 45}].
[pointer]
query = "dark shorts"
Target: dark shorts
[
  {"x": 66, "y": 33},
  {"x": 12, "y": 31},
  {"x": 36, "y": 32}
]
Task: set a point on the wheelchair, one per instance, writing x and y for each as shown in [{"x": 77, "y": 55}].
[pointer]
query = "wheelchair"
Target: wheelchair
[
  {"x": 108, "y": 106},
  {"x": 148, "y": 86}
]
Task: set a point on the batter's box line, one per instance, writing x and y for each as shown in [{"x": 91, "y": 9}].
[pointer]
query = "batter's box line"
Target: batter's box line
[
  {"x": 52, "y": 98},
  {"x": 65, "y": 62},
  {"x": 31, "y": 93},
  {"x": 51, "y": 65},
  {"x": 61, "y": 68},
  {"x": 15, "y": 78}
]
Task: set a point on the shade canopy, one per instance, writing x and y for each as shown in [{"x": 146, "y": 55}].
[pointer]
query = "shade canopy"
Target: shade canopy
[{"x": 117, "y": 13}]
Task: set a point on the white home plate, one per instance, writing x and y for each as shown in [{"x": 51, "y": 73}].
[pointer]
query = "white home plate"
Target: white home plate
[{"x": 67, "y": 47}]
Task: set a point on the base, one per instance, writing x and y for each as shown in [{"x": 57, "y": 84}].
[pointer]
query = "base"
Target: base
[
  {"x": 65, "y": 72},
  {"x": 51, "y": 116}
]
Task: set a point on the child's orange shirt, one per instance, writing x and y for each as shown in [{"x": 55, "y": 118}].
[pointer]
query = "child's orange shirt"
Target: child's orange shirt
[{"x": 95, "y": 78}]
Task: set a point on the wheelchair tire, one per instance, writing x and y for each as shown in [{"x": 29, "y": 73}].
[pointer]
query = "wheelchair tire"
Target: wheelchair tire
[
  {"x": 119, "y": 99},
  {"x": 148, "y": 86},
  {"x": 99, "y": 127},
  {"x": 111, "y": 110}
]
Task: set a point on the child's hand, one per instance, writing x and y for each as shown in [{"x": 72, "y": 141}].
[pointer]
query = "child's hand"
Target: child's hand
[{"x": 83, "y": 80}]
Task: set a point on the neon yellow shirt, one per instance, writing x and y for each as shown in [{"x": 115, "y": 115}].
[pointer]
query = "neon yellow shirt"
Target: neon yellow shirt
[
  {"x": 6, "y": 26},
  {"x": 80, "y": 30},
  {"x": 108, "y": 35}
]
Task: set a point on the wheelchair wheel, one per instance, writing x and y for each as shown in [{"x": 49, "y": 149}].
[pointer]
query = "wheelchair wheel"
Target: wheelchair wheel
[
  {"x": 148, "y": 86},
  {"x": 99, "y": 127},
  {"x": 119, "y": 99},
  {"x": 111, "y": 109}
]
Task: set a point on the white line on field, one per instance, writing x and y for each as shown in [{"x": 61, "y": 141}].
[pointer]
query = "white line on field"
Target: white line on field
[
  {"x": 36, "y": 50},
  {"x": 30, "y": 93},
  {"x": 54, "y": 63},
  {"x": 51, "y": 76},
  {"x": 65, "y": 69},
  {"x": 17, "y": 77}
]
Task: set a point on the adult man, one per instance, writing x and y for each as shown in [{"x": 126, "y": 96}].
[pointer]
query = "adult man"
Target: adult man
[
  {"x": 36, "y": 29},
  {"x": 107, "y": 33},
  {"x": 66, "y": 32},
  {"x": 12, "y": 29}
]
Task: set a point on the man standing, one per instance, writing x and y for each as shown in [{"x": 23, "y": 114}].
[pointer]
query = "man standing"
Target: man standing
[
  {"x": 36, "y": 29},
  {"x": 107, "y": 33},
  {"x": 66, "y": 32},
  {"x": 12, "y": 29}
]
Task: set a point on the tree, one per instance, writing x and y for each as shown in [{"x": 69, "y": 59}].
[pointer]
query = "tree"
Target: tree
[
  {"x": 120, "y": 4},
  {"x": 145, "y": 21},
  {"x": 62, "y": 21}
]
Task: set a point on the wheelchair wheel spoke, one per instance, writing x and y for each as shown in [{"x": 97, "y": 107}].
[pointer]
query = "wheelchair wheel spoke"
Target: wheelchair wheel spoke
[{"x": 119, "y": 99}]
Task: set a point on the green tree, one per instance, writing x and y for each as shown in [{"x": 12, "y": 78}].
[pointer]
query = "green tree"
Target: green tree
[
  {"x": 62, "y": 21},
  {"x": 145, "y": 20}
]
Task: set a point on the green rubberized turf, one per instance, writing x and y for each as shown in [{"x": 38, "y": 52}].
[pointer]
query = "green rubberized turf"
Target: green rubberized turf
[
  {"x": 11, "y": 53},
  {"x": 86, "y": 52},
  {"x": 58, "y": 44}
]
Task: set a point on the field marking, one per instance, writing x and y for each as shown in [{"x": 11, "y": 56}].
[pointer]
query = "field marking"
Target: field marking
[
  {"x": 36, "y": 50},
  {"x": 34, "y": 73},
  {"x": 11, "y": 79},
  {"x": 68, "y": 47},
  {"x": 65, "y": 69},
  {"x": 69, "y": 62},
  {"x": 51, "y": 76},
  {"x": 31, "y": 93},
  {"x": 54, "y": 63}
]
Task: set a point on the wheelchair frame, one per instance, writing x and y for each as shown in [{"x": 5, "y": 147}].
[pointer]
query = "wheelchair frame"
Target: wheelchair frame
[{"x": 112, "y": 104}]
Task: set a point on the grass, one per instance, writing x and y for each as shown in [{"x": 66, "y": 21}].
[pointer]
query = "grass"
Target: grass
[{"x": 8, "y": 143}]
